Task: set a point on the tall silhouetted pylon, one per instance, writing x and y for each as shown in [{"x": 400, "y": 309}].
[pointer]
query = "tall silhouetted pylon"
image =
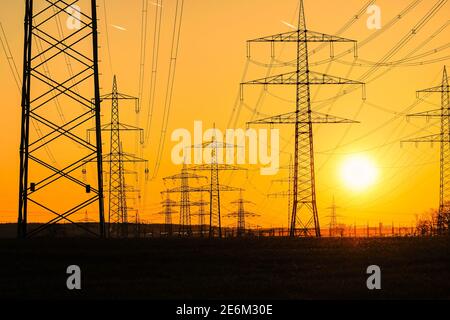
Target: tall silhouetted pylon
[
  {"x": 443, "y": 138},
  {"x": 305, "y": 219},
  {"x": 51, "y": 157}
]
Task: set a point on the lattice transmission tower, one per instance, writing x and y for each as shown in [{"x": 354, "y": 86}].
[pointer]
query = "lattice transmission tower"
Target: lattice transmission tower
[
  {"x": 443, "y": 138},
  {"x": 241, "y": 214},
  {"x": 117, "y": 158},
  {"x": 168, "y": 211},
  {"x": 215, "y": 167},
  {"x": 305, "y": 219},
  {"x": 185, "y": 203},
  {"x": 61, "y": 107},
  {"x": 333, "y": 227},
  {"x": 202, "y": 213}
]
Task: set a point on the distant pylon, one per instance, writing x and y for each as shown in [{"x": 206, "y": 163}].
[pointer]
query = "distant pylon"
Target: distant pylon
[
  {"x": 333, "y": 228},
  {"x": 241, "y": 214},
  {"x": 168, "y": 212},
  {"x": 201, "y": 213},
  {"x": 42, "y": 173},
  {"x": 185, "y": 205},
  {"x": 116, "y": 158},
  {"x": 137, "y": 221},
  {"x": 305, "y": 219},
  {"x": 443, "y": 138},
  {"x": 214, "y": 167}
]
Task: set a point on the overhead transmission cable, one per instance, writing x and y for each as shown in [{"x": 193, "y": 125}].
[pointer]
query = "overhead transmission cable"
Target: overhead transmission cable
[
  {"x": 17, "y": 79},
  {"x": 105, "y": 14},
  {"x": 154, "y": 74},
  {"x": 170, "y": 82}
]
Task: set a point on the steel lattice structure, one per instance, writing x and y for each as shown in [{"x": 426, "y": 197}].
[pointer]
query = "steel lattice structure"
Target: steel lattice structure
[
  {"x": 241, "y": 214},
  {"x": 185, "y": 204},
  {"x": 201, "y": 213},
  {"x": 305, "y": 219},
  {"x": 61, "y": 107},
  {"x": 333, "y": 227},
  {"x": 117, "y": 158},
  {"x": 168, "y": 212},
  {"x": 214, "y": 167},
  {"x": 443, "y": 138}
]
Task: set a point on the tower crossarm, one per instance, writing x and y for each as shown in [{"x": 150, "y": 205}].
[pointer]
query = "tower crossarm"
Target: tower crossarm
[
  {"x": 122, "y": 127},
  {"x": 184, "y": 189},
  {"x": 426, "y": 114},
  {"x": 199, "y": 203},
  {"x": 220, "y": 167},
  {"x": 239, "y": 201},
  {"x": 185, "y": 175},
  {"x": 306, "y": 37},
  {"x": 291, "y": 78},
  {"x": 167, "y": 211},
  {"x": 427, "y": 139},
  {"x": 121, "y": 96},
  {"x": 119, "y": 127},
  {"x": 221, "y": 187},
  {"x": 169, "y": 203},
  {"x": 438, "y": 89},
  {"x": 294, "y": 118},
  {"x": 245, "y": 213},
  {"x": 292, "y": 36}
]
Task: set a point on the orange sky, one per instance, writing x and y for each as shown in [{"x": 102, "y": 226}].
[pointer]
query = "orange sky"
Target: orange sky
[{"x": 211, "y": 62}]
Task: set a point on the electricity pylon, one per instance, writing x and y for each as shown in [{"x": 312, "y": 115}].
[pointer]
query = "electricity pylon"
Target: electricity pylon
[
  {"x": 43, "y": 175},
  {"x": 444, "y": 139},
  {"x": 333, "y": 226},
  {"x": 241, "y": 214},
  {"x": 214, "y": 167},
  {"x": 168, "y": 212},
  {"x": 185, "y": 204},
  {"x": 304, "y": 207},
  {"x": 201, "y": 213},
  {"x": 116, "y": 158}
]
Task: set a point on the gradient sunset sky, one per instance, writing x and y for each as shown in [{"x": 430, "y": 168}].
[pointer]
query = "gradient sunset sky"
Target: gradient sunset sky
[{"x": 211, "y": 64}]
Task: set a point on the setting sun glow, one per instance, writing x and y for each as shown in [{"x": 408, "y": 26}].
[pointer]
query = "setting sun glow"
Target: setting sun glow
[{"x": 358, "y": 173}]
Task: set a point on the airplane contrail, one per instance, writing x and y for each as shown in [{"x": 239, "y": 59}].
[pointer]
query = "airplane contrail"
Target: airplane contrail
[
  {"x": 118, "y": 27},
  {"x": 289, "y": 25}
]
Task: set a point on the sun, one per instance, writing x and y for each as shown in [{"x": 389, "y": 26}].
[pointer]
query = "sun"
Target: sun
[{"x": 358, "y": 173}]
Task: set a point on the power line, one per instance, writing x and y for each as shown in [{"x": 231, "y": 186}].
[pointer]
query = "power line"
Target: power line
[
  {"x": 170, "y": 82},
  {"x": 105, "y": 13},
  {"x": 10, "y": 59},
  {"x": 154, "y": 74},
  {"x": 17, "y": 79},
  {"x": 143, "y": 50}
]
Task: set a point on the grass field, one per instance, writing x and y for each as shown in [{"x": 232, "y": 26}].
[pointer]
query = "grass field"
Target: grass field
[{"x": 266, "y": 268}]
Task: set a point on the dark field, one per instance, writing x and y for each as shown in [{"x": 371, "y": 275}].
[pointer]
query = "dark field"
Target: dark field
[{"x": 227, "y": 269}]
